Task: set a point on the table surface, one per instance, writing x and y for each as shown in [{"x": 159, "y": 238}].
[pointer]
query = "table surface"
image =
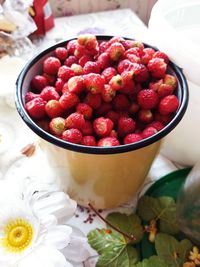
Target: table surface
[{"x": 15, "y": 135}]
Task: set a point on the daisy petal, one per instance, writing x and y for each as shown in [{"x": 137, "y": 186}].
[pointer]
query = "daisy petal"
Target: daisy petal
[
  {"x": 44, "y": 256},
  {"x": 56, "y": 203},
  {"x": 78, "y": 250},
  {"x": 58, "y": 236}
]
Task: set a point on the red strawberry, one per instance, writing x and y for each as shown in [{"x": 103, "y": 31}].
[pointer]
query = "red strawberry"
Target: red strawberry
[
  {"x": 51, "y": 65},
  {"x": 49, "y": 93},
  {"x": 71, "y": 46},
  {"x": 159, "y": 54},
  {"x": 85, "y": 110},
  {"x": 141, "y": 73},
  {"x": 108, "y": 73},
  {"x": 68, "y": 100},
  {"x": 128, "y": 82},
  {"x": 104, "y": 60},
  {"x": 65, "y": 73},
  {"x": 149, "y": 131},
  {"x": 51, "y": 79},
  {"x": 102, "y": 126},
  {"x": 132, "y": 138},
  {"x": 87, "y": 128},
  {"x": 157, "y": 67},
  {"x": 147, "y": 99},
  {"x": 75, "y": 120},
  {"x": 126, "y": 125},
  {"x": 36, "y": 108},
  {"x": 84, "y": 59},
  {"x": 108, "y": 141},
  {"x": 76, "y": 84},
  {"x": 61, "y": 53},
  {"x": 88, "y": 140},
  {"x": 170, "y": 80},
  {"x": 38, "y": 83},
  {"x": 124, "y": 65},
  {"x": 59, "y": 85},
  {"x": 91, "y": 67},
  {"x": 168, "y": 105},
  {"x": 88, "y": 40},
  {"x": 156, "y": 124},
  {"x": 116, "y": 51},
  {"x": 94, "y": 83},
  {"x": 72, "y": 135},
  {"x": 134, "y": 107},
  {"x": 30, "y": 96},
  {"x": 53, "y": 109},
  {"x": 71, "y": 60},
  {"x": 145, "y": 115},
  {"x": 147, "y": 55}
]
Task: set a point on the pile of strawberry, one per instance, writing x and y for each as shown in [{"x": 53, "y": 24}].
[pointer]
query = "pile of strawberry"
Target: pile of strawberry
[{"x": 103, "y": 93}]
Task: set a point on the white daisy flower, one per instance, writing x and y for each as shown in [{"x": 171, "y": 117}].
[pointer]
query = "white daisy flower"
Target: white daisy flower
[{"x": 30, "y": 231}]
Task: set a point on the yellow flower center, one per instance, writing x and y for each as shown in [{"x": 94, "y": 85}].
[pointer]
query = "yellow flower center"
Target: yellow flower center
[{"x": 18, "y": 236}]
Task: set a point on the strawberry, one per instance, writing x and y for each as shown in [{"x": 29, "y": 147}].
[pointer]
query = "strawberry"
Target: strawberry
[
  {"x": 145, "y": 115},
  {"x": 38, "y": 83},
  {"x": 65, "y": 73},
  {"x": 53, "y": 109},
  {"x": 108, "y": 141},
  {"x": 132, "y": 138},
  {"x": 85, "y": 110},
  {"x": 147, "y": 99},
  {"x": 87, "y": 129},
  {"x": 169, "y": 104},
  {"x": 93, "y": 100},
  {"x": 87, "y": 40},
  {"x": 49, "y": 93},
  {"x": 157, "y": 67},
  {"x": 116, "y": 82},
  {"x": 124, "y": 65},
  {"x": 108, "y": 93},
  {"x": 102, "y": 126},
  {"x": 84, "y": 59},
  {"x": 91, "y": 67},
  {"x": 159, "y": 54},
  {"x": 108, "y": 73},
  {"x": 88, "y": 140},
  {"x": 141, "y": 73},
  {"x": 30, "y": 96},
  {"x": 61, "y": 53},
  {"x": 128, "y": 82},
  {"x": 94, "y": 83},
  {"x": 71, "y": 60},
  {"x": 147, "y": 55},
  {"x": 149, "y": 131},
  {"x": 103, "y": 109},
  {"x": 72, "y": 135},
  {"x": 104, "y": 60},
  {"x": 59, "y": 85},
  {"x": 113, "y": 116},
  {"x": 156, "y": 124},
  {"x": 76, "y": 84},
  {"x": 77, "y": 69},
  {"x": 71, "y": 46},
  {"x": 57, "y": 126},
  {"x": 36, "y": 108},
  {"x": 116, "y": 51},
  {"x": 75, "y": 120},
  {"x": 51, "y": 65},
  {"x": 126, "y": 125},
  {"x": 68, "y": 100}
]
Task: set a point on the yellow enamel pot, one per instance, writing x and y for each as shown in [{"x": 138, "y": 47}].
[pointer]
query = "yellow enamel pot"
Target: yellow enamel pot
[{"x": 104, "y": 176}]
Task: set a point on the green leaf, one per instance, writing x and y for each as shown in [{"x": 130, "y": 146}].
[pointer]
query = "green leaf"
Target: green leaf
[
  {"x": 173, "y": 252},
  {"x": 162, "y": 208},
  {"x": 153, "y": 261},
  {"x": 129, "y": 224},
  {"x": 112, "y": 248}
]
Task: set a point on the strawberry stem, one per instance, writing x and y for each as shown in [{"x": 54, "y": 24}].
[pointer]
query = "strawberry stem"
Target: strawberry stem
[{"x": 131, "y": 237}]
